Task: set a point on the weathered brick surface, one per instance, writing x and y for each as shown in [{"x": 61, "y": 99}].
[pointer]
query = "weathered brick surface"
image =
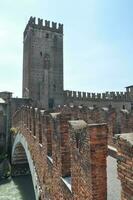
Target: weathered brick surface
[
  {"x": 98, "y": 145},
  {"x": 94, "y": 115},
  {"x": 80, "y": 165},
  {"x": 125, "y": 164},
  {"x": 126, "y": 121},
  {"x": 69, "y": 155},
  {"x": 72, "y": 143}
]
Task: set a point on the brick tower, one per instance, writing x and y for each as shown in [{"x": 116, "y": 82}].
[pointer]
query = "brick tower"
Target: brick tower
[{"x": 43, "y": 63}]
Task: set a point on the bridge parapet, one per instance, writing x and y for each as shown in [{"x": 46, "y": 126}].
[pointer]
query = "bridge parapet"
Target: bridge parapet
[
  {"x": 62, "y": 145},
  {"x": 51, "y": 139},
  {"x": 125, "y": 164},
  {"x": 87, "y": 160},
  {"x": 118, "y": 120}
]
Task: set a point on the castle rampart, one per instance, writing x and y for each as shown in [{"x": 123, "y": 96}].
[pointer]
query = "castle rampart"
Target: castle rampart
[
  {"x": 44, "y": 26},
  {"x": 115, "y": 99},
  {"x": 43, "y": 71},
  {"x": 114, "y": 96}
]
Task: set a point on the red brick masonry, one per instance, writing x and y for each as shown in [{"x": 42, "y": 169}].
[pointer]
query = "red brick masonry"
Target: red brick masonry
[
  {"x": 69, "y": 150},
  {"x": 125, "y": 164},
  {"x": 69, "y": 155}
]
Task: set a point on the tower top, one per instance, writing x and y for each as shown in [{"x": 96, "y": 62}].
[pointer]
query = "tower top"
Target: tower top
[{"x": 47, "y": 26}]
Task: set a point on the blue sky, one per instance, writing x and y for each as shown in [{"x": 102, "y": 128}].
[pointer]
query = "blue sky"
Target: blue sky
[{"x": 98, "y": 42}]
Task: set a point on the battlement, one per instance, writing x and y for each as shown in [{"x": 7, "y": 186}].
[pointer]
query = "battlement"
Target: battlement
[
  {"x": 120, "y": 96},
  {"x": 62, "y": 149},
  {"x": 44, "y": 26},
  {"x": 72, "y": 143}
]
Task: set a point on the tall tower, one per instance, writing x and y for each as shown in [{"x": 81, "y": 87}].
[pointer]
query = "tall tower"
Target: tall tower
[{"x": 43, "y": 63}]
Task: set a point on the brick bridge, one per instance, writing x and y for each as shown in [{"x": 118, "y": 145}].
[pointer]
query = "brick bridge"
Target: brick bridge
[{"x": 66, "y": 154}]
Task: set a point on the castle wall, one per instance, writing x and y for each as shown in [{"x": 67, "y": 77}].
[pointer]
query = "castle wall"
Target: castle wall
[
  {"x": 117, "y": 100},
  {"x": 43, "y": 71}
]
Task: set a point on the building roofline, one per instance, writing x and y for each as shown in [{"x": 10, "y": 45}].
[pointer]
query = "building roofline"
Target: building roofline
[{"x": 129, "y": 86}]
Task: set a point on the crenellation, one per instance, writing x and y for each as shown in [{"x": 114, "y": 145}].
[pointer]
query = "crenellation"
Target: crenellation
[
  {"x": 98, "y": 95},
  {"x": 88, "y": 95},
  {"x": 70, "y": 93},
  {"x": 47, "y": 23},
  {"x": 32, "y": 20},
  {"x": 71, "y": 154},
  {"x": 67, "y": 132},
  {"x": 118, "y": 121},
  {"x": 74, "y": 94},
  {"x": 84, "y": 95},
  {"x": 112, "y": 94},
  {"x": 79, "y": 95},
  {"x": 47, "y": 26},
  {"x": 107, "y": 94},
  {"x": 93, "y": 95},
  {"x": 118, "y": 95},
  {"x": 125, "y": 96},
  {"x": 121, "y": 93},
  {"x": 101, "y": 99},
  {"x": 48, "y": 133},
  {"x": 125, "y": 164},
  {"x": 37, "y": 121},
  {"x": 54, "y": 25},
  {"x": 71, "y": 146},
  {"x": 60, "y": 27},
  {"x": 40, "y": 22},
  {"x": 103, "y": 96},
  {"x": 36, "y": 110}
]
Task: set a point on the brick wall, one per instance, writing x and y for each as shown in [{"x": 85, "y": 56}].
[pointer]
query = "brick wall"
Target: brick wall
[
  {"x": 125, "y": 164},
  {"x": 69, "y": 150},
  {"x": 75, "y": 168}
]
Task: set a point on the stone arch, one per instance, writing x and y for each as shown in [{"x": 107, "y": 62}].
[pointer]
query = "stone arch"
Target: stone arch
[{"x": 20, "y": 145}]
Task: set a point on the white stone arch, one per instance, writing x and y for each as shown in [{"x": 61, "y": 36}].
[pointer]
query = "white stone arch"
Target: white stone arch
[{"x": 20, "y": 139}]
